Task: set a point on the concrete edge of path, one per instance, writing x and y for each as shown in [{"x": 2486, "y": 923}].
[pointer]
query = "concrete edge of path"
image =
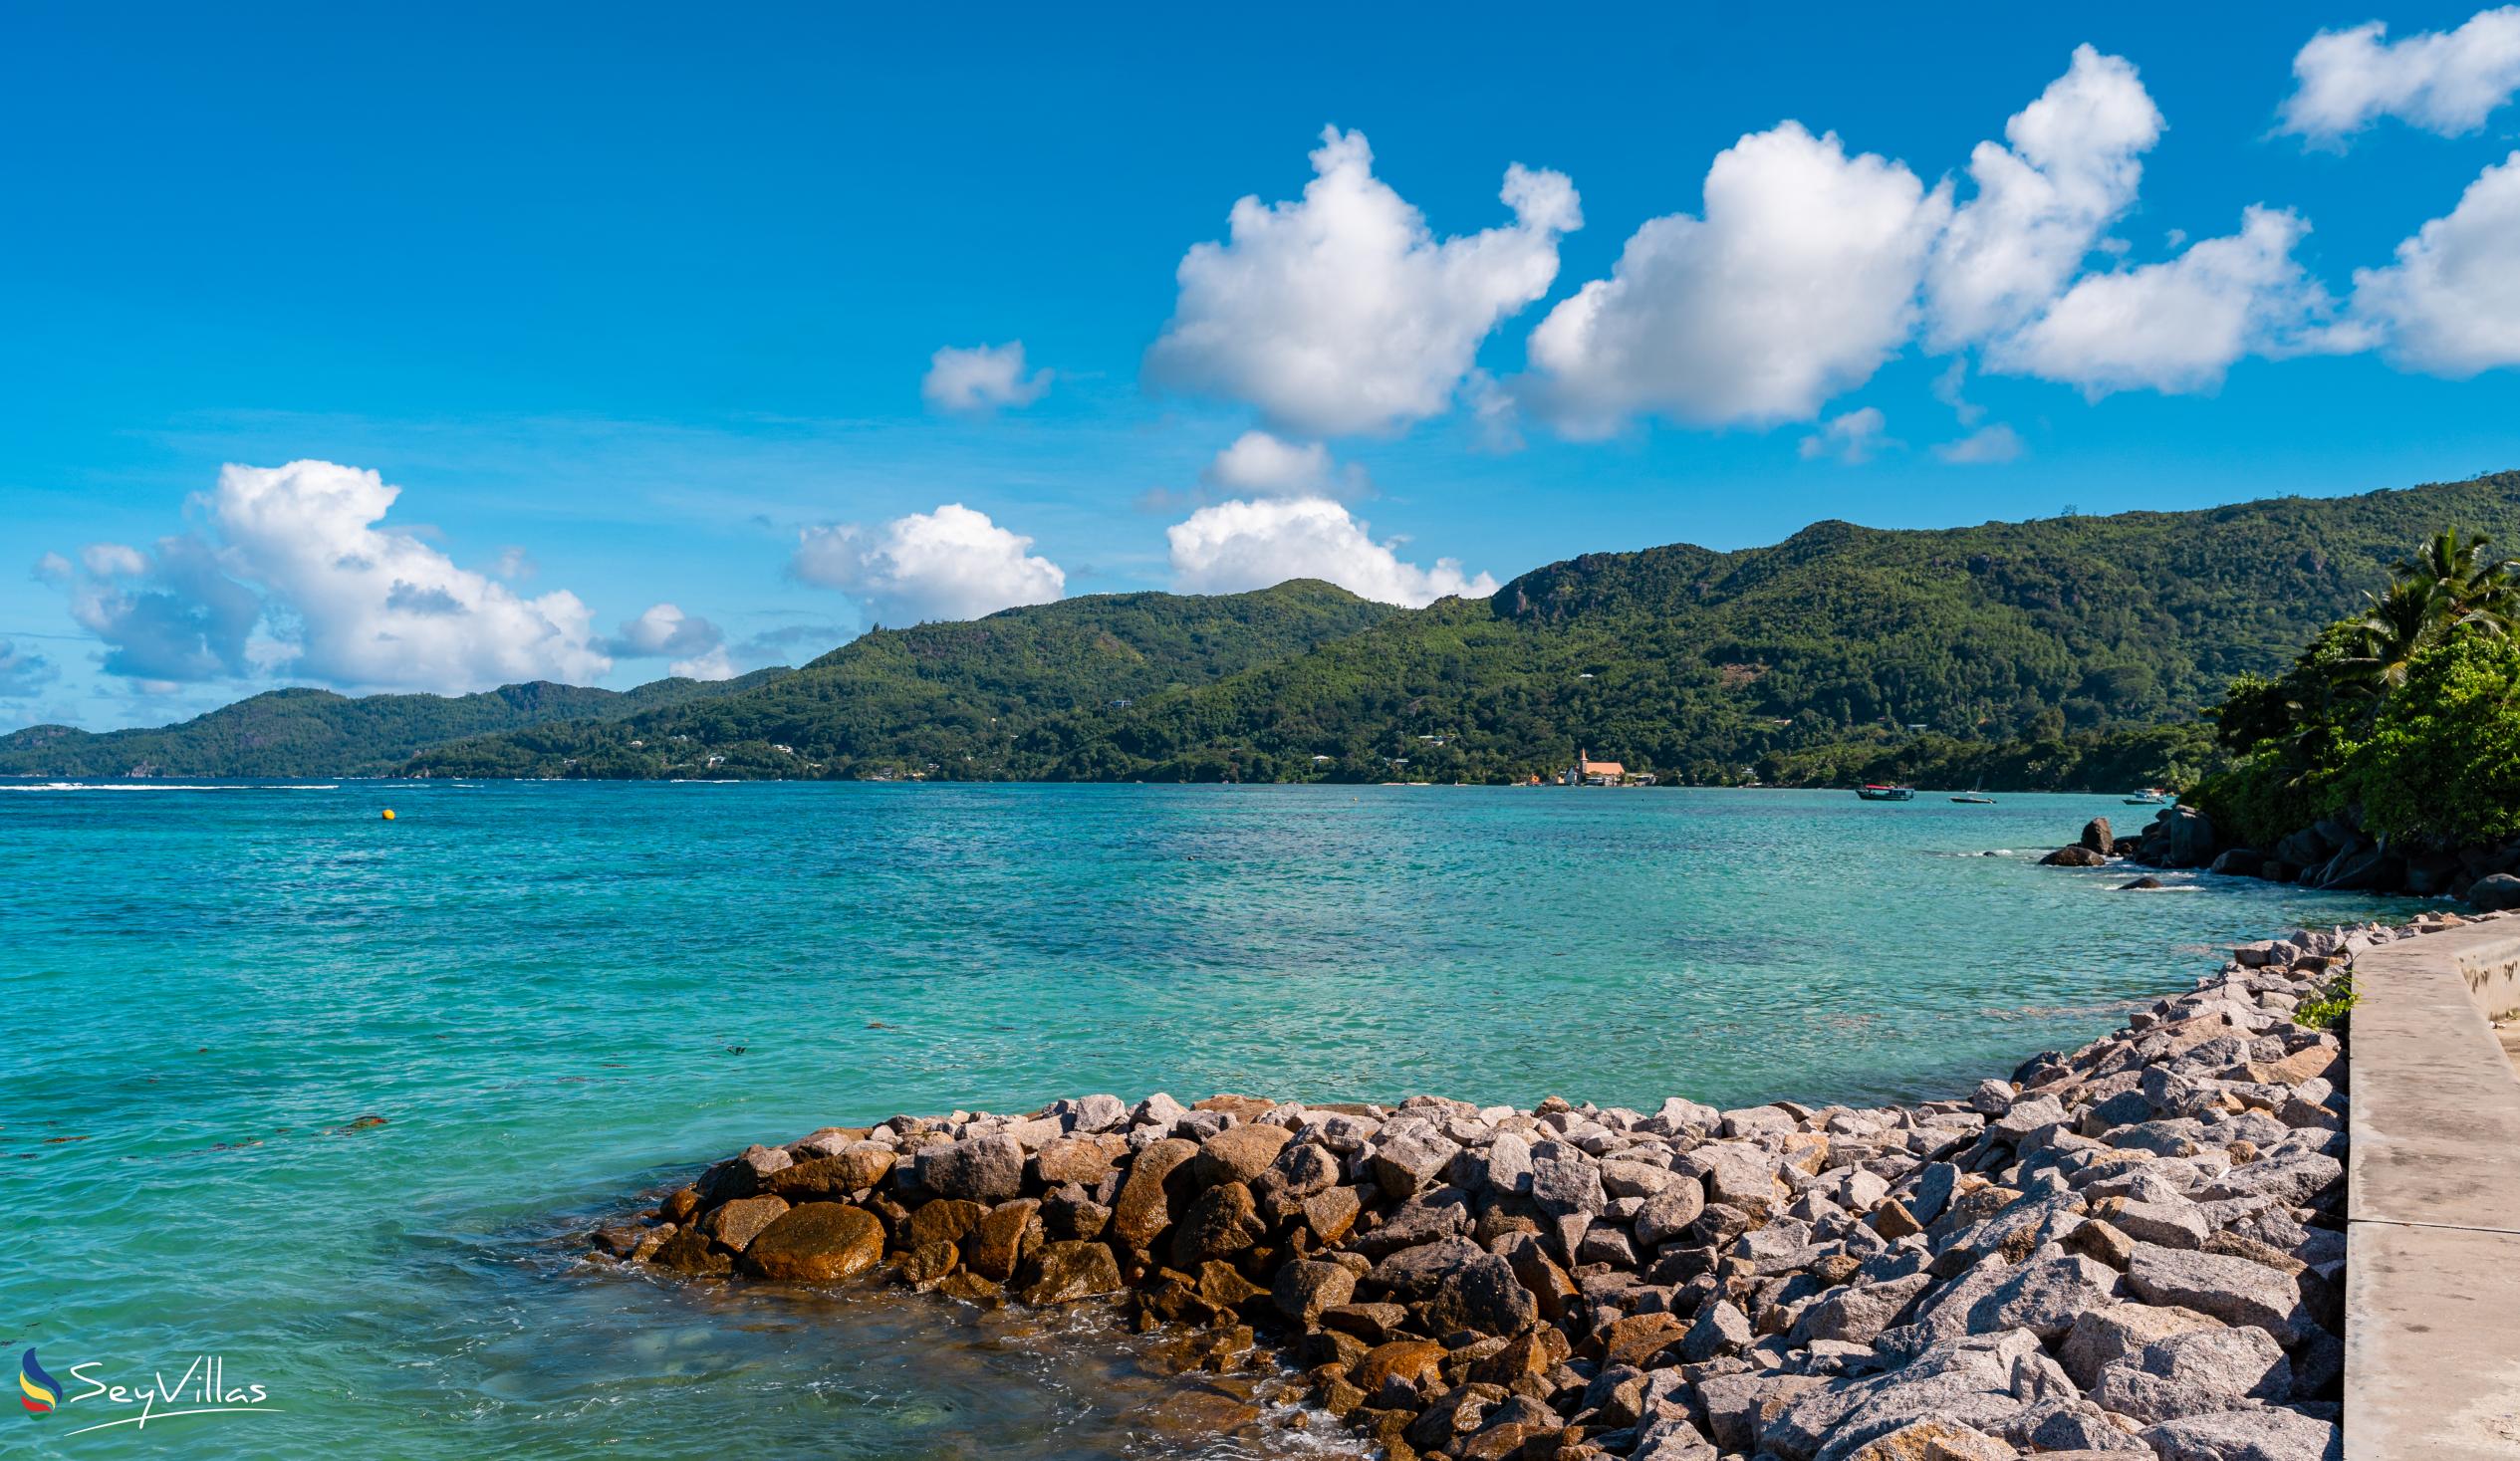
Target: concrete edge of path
[{"x": 2432, "y": 1267}]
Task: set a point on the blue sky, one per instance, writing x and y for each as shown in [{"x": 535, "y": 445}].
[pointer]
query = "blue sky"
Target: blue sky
[{"x": 640, "y": 307}]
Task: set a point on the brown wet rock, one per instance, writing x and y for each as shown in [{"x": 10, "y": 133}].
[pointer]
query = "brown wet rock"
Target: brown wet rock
[
  {"x": 1063, "y": 1272},
  {"x": 1376, "y": 1323},
  {"x": 1304, "y": 1289},
  {"x": 735, "y": 1224},
  {"x": 1084, "y": 1160},
  {"x": 997, "y": 1244},
  {"x": 621, "y": 1240},
  {"x": 681, "y": 1205},
  {"x": 854, "y": 1169},
  {"x": 1301, "y": 1170},
  {"x": 1414, "y": 1363},
  {"x": 1221, "y": 1221},
  {"x": 1334, "y": 1392},
  {"x": 1217, "y": 1348},
  {"x": 1145, "y": 1207},
  {"x": 1482, "y": 1295},
  {"x": 1329, "y": 1215},
  {"x": 815, "y": 1243},
  {"x": 924, "y": 1265},
  {"x": 1635, "y": 1338},
  {"x": 1510, "y": 1439},
  {"x": 1174, "y": 1298},
  {"x": 1224, "y": 1286},
  {"x": 689, "y": 1251},
  {"x": 944, "y": 1220},
  {"x": 1529, "y": 1356},
  {"x": 1240, "y": 1107},
  {"x": 887, "y": 1211},
  {"x": 1549, "y": 1284},
  {"x": 1457, "y": 1413},
  {"x": 1238, "y": 1154},
  {"x": 1321, "y": 1348},
  {"x": 1065, "y": 1212},
  {"x": 1387, "y": 1430}
]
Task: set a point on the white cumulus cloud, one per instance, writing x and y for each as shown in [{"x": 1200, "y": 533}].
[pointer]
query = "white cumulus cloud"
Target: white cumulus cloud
[
  {"x": 2445, "y": 82},
  {"x": 1259, "y": 464},
  {"x": 363, "y": 605},
  {"x": 2041, "y": 203},
  {"x": 1235, "y": 546},
  {"x": 697, "y": 646},
  {"x": 1797, "y": 284},
  {"x": 173, "y": 615},
  {"x": 950, "y": 563},
  {"x": 1343, "y": 313},
  {"x": 1985, "y": 446},
  {"x": 1852, "y": 438},
  {"x": 304, "y": 580},
  {"x": 2175, "y": 326},
  {"x": 978, "y": 381},
  {"x": 2450, "y": 304}
]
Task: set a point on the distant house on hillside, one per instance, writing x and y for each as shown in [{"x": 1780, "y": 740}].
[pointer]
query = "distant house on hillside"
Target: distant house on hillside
[{"x": 1588, "y": 772}]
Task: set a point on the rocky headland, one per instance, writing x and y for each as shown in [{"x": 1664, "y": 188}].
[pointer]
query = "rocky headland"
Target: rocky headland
[
  {"x": 2135, "y": 1249},
  {"x": 2334, "y": 854}
]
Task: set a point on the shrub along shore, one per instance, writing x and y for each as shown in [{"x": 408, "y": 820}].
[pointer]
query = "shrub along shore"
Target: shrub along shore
[{"x": 2134, "y": 1249}]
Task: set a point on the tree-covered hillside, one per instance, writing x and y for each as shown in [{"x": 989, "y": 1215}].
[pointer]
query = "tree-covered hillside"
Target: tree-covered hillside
[
  {"x": 1706, "y": 664},
  {"x": 991, "y": 698},
  {"x": 318, "y": 733},
  {"x": 2035, "y": 653}
]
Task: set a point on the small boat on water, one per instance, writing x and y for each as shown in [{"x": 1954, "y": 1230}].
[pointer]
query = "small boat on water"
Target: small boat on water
[
  {"x": 1876, "y": 791},
  {"x": 2149, "y": 796},
  {"x": 1975, "y": 798}
]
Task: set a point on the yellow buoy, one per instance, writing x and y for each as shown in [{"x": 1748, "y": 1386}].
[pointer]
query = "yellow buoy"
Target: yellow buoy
[{"x": 388, "y": 813}]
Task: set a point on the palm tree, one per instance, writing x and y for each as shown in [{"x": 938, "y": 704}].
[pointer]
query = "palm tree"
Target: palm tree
[
  {"x": 2392, "y": 630},
  {"x": 2467, "y": 590},
  {"x": 2449, "y": 586}
]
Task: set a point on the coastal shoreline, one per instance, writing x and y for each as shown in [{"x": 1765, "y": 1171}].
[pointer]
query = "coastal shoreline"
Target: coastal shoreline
[{"x": 2136, "y": 1247}]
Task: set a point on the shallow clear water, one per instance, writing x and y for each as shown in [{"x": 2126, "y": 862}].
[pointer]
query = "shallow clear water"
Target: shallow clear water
[{"x": 559, "y": 996}]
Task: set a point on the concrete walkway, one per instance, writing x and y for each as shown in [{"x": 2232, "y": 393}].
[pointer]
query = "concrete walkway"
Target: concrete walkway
[{"x": 2432, "y": 1277}]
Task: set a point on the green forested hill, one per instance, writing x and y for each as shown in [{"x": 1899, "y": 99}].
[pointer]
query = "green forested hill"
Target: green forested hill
[
  {"x": 2038, "y": 653},
  {"x": 1841, "y": 637},
  {"x": 318, "y": 733},
  {"x": 993, "y": 697}
]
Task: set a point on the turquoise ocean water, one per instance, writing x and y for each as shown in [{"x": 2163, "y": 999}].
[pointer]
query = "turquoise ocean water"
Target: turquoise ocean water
[{"x": 560, "y": 996}]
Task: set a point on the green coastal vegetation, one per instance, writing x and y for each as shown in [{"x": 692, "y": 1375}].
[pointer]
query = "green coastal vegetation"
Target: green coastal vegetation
[
  {"x": 2063, "y": 653},
  {"x": 2402, "y": 718},
  {"x": 305, "y": 732}
]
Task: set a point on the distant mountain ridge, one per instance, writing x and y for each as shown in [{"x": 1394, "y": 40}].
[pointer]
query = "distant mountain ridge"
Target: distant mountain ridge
[
  {"x": 1720, "y": 665},
  {"x": 309, "y": 732},
  {"x": 1841, "y": 646},
  {"x": 992, "y": 698}
]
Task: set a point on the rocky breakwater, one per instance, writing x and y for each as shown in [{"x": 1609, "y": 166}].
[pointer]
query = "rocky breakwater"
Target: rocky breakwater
[{"x": 2134, "y": 1249}]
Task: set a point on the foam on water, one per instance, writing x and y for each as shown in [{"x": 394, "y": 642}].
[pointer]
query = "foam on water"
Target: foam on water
[{"x": 168, "y": 786}]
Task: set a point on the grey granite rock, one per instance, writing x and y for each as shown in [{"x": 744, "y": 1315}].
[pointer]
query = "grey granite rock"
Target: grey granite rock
[
  {"x": 2269, "y": 1434},
  {"x": 2232, "y": 1290}
]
